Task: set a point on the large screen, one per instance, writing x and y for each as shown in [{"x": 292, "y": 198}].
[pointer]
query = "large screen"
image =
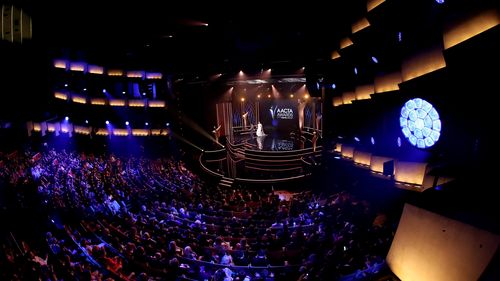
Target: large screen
[{"x": 279, "y": 115}]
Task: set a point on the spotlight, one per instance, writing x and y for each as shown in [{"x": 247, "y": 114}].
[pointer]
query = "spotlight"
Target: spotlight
[
  {"x": 103, "y": 91},
  {"x": 124, "y": 92},
  {"x": 334, "y": 86},
  {"x": 168, "y": 124},
  {"x": 143, "y": 94},
  {"x": 440, "y": 1},
  {"x": 65, "y": 85},
  {"x": 356, "y": 70},
  {"x": 126, "y": 123},
  {"x": 147, "y": 124},
  {"x": 86, "y": 121},
  {"x": 84, "y": 89},
  {"x": 107, "y": 122},
  {"x": 66, "y": 118},
  {"x": 291, "y": 95},
  {"x": 400, "y": 36},
  {"x": 258, "y": 96},
  {"x": 242, "y": 99},
  {"x": 356, "y": 139},
  {"x": 374, "y": 59}
]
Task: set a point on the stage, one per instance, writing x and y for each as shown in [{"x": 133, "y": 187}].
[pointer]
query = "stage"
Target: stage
[{"x": 276, "y": 157}]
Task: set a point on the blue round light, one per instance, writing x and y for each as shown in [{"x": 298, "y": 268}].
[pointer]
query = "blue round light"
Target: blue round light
[{"x": 420, "y": 123}]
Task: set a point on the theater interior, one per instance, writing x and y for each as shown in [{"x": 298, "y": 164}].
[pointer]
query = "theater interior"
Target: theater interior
[{"x": 351, "y": 140}]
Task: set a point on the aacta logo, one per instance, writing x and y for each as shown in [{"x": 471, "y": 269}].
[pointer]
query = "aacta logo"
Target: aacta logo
[{"x": 281, "y": 113}]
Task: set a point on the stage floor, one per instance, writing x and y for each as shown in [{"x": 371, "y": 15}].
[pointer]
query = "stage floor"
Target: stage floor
[{"x": 273, "y": 142}]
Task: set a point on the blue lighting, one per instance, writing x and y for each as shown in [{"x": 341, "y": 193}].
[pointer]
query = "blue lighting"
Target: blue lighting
[
  {"x": 107, "y": 122},
  {"x": 317, "y": 85},
  {"x": 147, "y": 124},
  {"x": 356, "y": 139},
  {"x": 440, "y": 1},
  {"x": 84, "y": 89},
  {"x": 356, "y": 70},
  {"x": 126, "y": 123},
  {"x": 400, "y": 36},
  {"x": 103, "y": 91},
  {"x": 66, "y": 118},
  {"x": 372, "y": 140},
  {"x": 334, "y": 86},
  {"x": 374, "y": 59},
  {"x": 420, "y": 123},
  {"x": 399, "y": 142}
]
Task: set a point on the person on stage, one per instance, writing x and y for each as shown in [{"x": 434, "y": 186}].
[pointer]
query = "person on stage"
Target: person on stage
[{"x": 260, "y": 130}]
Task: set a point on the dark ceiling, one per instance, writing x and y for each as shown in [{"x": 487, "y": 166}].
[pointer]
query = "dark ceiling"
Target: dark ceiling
[{"x": 157, "y": 34}]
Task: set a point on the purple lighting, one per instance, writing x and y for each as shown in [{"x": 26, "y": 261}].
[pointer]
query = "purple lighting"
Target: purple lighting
[
  {"x": 107, "y": 122},
  {"x": 66, "y": 118},
  {"x": 126, "y": 123}
]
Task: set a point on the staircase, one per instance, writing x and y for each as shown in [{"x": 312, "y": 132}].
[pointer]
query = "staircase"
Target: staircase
[{"x": 226, "y": 182}]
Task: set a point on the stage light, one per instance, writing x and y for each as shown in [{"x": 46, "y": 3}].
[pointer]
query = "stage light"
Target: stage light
[
  {"x": 356, "y": 139},
  {"x": 147, "y": 124},
  {"x": 107, "y": 122},
  {"x": 374, "y": 59},
  {"x": 124, "y": 92},
  {"x": 143, "y": 94},
  {"x": 269, "y": 96},
  {"x": 399, "y": 141},
  {"x": 242, "y": 99},
  {"x": 306, "y": 96},
  {"x": 86, "y": 121},
  {"x": 66, "y": 118},
  {"x": 258, "y": 96},
  {"x": 65, "y": 85},
  {"x": 372, "y": 140},
  {"x": 168, "y": 124},
  {"x": 400, "y": 36},
  {"x": 84, "y": 89},
  {"x": 356, "y": 70},
  {"x": 420, "y": 123},
  {"x": 440, "y": 1},
  {"x": 103, "y": 91},
  {"x": 334, "y": 86},
  {"x": 126, "y": 123},
  {"x": 291, "y": 95}
]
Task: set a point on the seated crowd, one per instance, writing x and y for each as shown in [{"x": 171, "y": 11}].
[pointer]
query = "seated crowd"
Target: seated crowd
[{"x": 144, "y": 219}]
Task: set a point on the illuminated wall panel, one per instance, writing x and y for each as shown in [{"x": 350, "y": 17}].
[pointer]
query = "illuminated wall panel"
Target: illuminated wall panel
[
  {"x": 363, "y": 92},
  {"x": 348, "y": 97},
  {"x": 159, "y": 132},
  {"x": 61, "y": 64},
  {"x": 135, "y": 74},
  {"x": 470, "y": 27},
  {"x": 117, "y": 102},
  {"x": 102, "y": 132},
  {"x": 347, "y": 151},
  {"x": 95, "y": 69},
  {"x": 115, "y": 72},
  {"x": 422, "y": 63},
  {"x": 153, "y": 75},
  {"x": 37, "y": 127},
  {"x": 388, "y": 82},
  {"x": 337, "y": 101},
  {"x": 140, "y": 132},
  {"x": 137, "y": 103},
  {"x": 79, "y": 99},
  {"x": 346, "y": 42},
  {"x": 77, "y": 66},
  {"x": 410, "y": 172},
  {"x": 428, "y": 246},
  {"x": 361, "y": 157},
  {"x": 338, "y": 147},
  {"x": 335, "y": 55},
  {"x": 360, "y": 25},
  {"x": 156, "y": 103},
  {"x": 82, "y": 130},
  {"x": 97, "y": 101},
  {"x": 371, "y": 4},
  {"x": 61, "y": 96},
  {"x": 120, "y": 132},
  {"x": 377, "y": 163}
]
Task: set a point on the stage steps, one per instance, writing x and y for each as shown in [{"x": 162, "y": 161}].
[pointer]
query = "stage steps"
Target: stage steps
[{"x": 226, "y": 182}]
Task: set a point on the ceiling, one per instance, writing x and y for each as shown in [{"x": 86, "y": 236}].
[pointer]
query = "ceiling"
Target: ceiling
[{"x": 251, "y": 35}]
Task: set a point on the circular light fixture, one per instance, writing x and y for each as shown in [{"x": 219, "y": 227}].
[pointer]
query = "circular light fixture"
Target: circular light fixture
[{"x": 420, "y": 123}]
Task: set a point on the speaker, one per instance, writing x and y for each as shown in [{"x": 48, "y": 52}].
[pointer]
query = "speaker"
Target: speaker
[{"x": 389, "y": 168}]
